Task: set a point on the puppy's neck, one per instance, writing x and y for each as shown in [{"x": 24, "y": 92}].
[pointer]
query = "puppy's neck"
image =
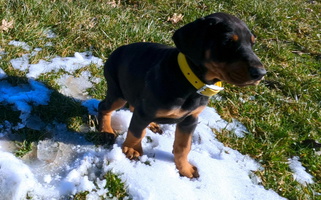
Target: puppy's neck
[
  {"x": 202, "y": 87},
  {"x": 201, "y": 72}
]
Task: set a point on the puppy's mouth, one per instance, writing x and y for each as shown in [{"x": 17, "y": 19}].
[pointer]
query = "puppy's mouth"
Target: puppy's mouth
[
  {"x": 250, "y": 83},
  {"x": 253, "y": 76},
  {"x": 239, "y": 73},
  {"x": 240, "y": 82}
]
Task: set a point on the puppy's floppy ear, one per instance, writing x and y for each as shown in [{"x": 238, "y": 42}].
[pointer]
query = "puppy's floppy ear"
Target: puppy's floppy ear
[{"x": 191, "y": 38}]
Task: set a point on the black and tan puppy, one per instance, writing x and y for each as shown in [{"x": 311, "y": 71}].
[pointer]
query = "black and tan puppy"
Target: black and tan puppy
[{"x": 163, "y": 84}]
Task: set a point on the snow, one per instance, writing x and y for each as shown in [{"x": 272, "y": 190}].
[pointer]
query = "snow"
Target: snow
[
  {"x": 23, "y": 45},
  {"x": 50, "y": 34},
  {"x": 23, "y": 97},
  {"x": 66, "y": 164},
  {"x": 2, "y": 74},
  {"x": 14, "y": 175},
  {"x": 299, "y": 173},
  {"x": 68, "y": 64},
  {"x": 76, "y": 86}
]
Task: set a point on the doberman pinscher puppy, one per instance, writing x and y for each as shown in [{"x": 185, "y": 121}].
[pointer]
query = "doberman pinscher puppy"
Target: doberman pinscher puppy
[{"x": 163, "y": 84}]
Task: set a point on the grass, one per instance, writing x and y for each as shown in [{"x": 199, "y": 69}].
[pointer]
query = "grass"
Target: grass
[
  {"x": 281, "y": 114},
  {"x": 116, "y": 188}
]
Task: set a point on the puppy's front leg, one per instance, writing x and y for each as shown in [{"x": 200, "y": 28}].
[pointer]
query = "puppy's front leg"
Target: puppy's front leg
[
  {"x": 182, "y": 146},
  {"x": 132, "y": 146}
]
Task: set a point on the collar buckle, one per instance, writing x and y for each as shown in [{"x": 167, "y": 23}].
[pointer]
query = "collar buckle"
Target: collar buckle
[{"x": 209, "y": 90}]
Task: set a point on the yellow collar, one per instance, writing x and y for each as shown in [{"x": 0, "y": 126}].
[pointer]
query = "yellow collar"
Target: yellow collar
[{"x": 202, "y": 88}]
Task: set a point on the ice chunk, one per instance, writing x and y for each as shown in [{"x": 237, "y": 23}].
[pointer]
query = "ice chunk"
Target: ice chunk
[{"x": 47, "y": 150}]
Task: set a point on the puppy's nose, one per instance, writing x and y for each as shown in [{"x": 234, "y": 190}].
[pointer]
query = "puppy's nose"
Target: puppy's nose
[{"x": 257, "y": 73}]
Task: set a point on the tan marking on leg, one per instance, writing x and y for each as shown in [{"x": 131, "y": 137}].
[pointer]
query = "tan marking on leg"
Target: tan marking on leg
[
  {"x": 131, "y": 108},
  {"x": 105, "y": 123},
  {"x": 155, "y": 128},
  {"x": 105, "y": 116},
  {"x": 132, "y": 147},
  {"x": 182, "y": 146},
  {"x": 178, "y": 113},
  {"x": 171, "y": 113},
  {"x": 197, "y": 111}
]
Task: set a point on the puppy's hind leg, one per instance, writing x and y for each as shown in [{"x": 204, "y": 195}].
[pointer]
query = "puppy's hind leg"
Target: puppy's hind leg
[{"x": 105, "y": 110}]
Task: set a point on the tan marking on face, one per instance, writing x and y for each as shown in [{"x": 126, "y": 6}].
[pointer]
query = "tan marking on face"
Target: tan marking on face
[
  {"x": 215, "y": 71},
  {"x": 236, "y": 73},
  {"x": 208, "y": 54},
  {"x": 253, "y": 39},
  {"x": 235, "y": 38}
]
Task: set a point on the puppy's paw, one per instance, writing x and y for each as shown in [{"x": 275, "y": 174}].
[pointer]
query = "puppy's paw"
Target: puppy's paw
[
  {"x": 189, "y": 171},
  {"x": 132, "y": 153}
]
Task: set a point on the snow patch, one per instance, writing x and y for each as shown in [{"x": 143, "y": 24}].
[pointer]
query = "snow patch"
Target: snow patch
[
  {"x": 16, "y": 178},
  {"x": 214, "y": 120},
  {"x": 50, "y": 34},
  {"x": 74, "y": 86},
  {"x": 23, "y": 97},
  {"x": 92, "y": 106},
  {"x": 23, "y": 45},
  {"x": 21, "y": 63},
  {"x": 61, "y": 169},
  {"x": 68, "y": 64},
  {"x": 5, "y": 129},
  {"x": 2, "y": 74},
  {"x": 299, "y": 172}
]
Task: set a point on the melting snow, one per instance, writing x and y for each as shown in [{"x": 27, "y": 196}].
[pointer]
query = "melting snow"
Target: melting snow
[
  {"x": 68, "y": 64},
  {"x": 23, "y": 97},
  {"x": 2, "y": 74},
  {"x": 300, "y": 174},
  {"x": 23, "y": 45}
]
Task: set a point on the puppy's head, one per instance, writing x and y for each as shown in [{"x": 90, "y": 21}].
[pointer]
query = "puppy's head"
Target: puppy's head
[{"x": 223, "y": 44}]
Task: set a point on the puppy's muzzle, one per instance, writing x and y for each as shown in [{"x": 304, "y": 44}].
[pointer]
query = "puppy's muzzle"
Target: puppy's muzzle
[{"x": 257, "y": 73}]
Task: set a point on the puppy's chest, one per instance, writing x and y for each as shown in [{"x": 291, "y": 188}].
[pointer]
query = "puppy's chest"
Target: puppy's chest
[{"x": 182, "y": 108}]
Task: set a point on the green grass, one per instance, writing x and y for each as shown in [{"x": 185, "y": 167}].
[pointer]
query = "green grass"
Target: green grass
[
  {"x": 25, "y": 140},
  {"x": 116, "y": 188},
  {"x": 280, "y": 114}
]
